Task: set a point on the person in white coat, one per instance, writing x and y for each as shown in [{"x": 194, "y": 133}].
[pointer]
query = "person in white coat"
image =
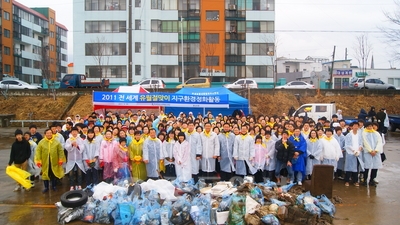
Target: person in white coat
[
  {"x": 75, "y": 168},
  {"x": 196, "y": 149},
  {"x": 260, "y": 158},
  {"x": 226, "y": 162},
  {"x": 270, "y": 163},
  {"x": 354, "y": 147},
  {"x": 243, "y": 153},
  {"x": 314, "y": 152},
  {"x": 91, "y": 157},
  {"x": 372, "y": 142},
  {"x": 168, "y": 155},
  {"x": 210, "y": 145},
  {"x": 331, "y": 151},
  {"x": 152, "y": 155},
  {"x": 181, "y": 153}
]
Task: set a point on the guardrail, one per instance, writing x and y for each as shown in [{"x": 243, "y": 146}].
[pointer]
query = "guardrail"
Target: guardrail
[{"x": 35, "y": 122}]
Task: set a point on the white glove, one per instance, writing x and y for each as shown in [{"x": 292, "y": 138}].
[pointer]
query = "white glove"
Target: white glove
[{"x": 115, "y": 170}]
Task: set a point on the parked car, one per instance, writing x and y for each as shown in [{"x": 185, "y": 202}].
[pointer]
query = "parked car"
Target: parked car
[
  {"x": 372, "y": 83},
  {"x": 152, "y": 83},
  {"x": 296, "y": 85},
  {"x": 243, "y": 83},
  {"x": 199, "y": 82},
  {"x": 17, "y": 84}
]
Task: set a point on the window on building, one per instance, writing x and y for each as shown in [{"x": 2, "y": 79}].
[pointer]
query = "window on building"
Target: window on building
[
  {"x": 212, "y": 38},
  {"x": 64, "y": 57},
  {"x": 138, "y": 24},
  {"x": 212, "y": 15},
  {"x": 6, "y": 15},
  {"x": 155, "y": 26},
  {"x": 260, "y": 27},
  {"x": 156, "y": 4},
  {"x": 51, "y": 34},
  {"x": 138, "y": 70},
  {"x": 7, "y": 50},
  {"x": 138, "y": 47},
  {"x": 105, "y": 26},
  {"x": 117, "y": 71},
  {"x": 7, "y": 68},
  {"x": 6, "y": 33},
  {"x": 287, "y": 69},
  {"x": 212, "y": 60},
  {"x": 22, "y": 47},
  {"x": 105, "y": 5},
  {"x": 51, "y": 20},
  {"x": 93, "y": 49},
  {"x": 36, "y": 64}
]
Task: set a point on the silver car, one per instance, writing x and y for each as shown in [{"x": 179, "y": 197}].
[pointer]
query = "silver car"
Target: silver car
[
  {"x": 372, "y": 83},
  {"x": 296, "y": 85},
  {"x": 243, "y": 83},
  {"x": 152, "y": 83},
  {"x": 17, "y": 84}
]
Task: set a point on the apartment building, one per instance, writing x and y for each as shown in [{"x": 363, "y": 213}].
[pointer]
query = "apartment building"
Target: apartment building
[
  {"x": 34, "y": 45},
  {"x": 225, "y": 39}
]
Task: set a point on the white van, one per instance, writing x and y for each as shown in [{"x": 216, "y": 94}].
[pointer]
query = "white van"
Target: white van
[{"x": 317, "y": 110}]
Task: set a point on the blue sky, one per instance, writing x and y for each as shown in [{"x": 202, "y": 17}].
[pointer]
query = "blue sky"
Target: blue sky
[{"x": 303, "y": 27}]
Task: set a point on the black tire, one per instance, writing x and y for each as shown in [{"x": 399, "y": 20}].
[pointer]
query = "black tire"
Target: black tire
[
  {"x": 392, "y": 128},
  {"x": 66, "y": 202}
]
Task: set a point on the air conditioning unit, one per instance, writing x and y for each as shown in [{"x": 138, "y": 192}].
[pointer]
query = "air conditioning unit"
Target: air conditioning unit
[{"x": 232, "y": 7}]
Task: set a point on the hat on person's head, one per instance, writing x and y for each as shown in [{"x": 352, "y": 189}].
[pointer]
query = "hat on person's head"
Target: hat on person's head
[
  {"x": 190, "y": 113},
  {"x": 68, "y": 118},
  {"x": 18, "y": 131},
  {"x": 101, "y": 115}
]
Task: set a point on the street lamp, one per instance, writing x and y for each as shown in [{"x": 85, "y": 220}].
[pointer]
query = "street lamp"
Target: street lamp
[{"x": 183, "y": 71}]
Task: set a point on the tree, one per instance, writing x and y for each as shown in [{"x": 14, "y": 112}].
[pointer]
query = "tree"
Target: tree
[
  {"x": 99, "y": 50},
  {"x": 207, "y": 50},
  {"x": 271, "y": 46},
  {"x": 45, "y": 63},
  {"x": 362, "y": 51},
  {"x": 393, "y": 34}
]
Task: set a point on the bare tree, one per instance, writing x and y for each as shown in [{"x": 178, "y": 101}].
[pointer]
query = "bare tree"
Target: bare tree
[
  {"x": 99, "y": 50},
  {"x": 45, "y": 63},
  {"x": 393, "y": 34},
  {"x": 207, "y": 49},
  {"x": 270, "y": 48},
  {"x": 362, "y": 51}
]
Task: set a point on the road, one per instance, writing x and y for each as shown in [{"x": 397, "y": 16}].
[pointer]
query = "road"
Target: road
[{"x": 361, "y": 205}]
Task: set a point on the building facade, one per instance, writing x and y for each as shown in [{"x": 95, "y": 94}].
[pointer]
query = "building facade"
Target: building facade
[
  {"x": 34, "y": 45},
  {"x": 225, "y": 40}
]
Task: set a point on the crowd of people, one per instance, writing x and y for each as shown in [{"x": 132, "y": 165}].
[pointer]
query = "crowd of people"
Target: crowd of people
[{"x": 158, "y": 145}]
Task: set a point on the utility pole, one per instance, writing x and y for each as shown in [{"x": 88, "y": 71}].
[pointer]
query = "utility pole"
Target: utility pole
[
  {"x": 333, "y": 63},
  {"x": 130, "y": 43},
  {"x": 183, "y": 68}
]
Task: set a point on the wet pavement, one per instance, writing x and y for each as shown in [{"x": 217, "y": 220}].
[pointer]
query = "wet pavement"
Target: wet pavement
[{"x": 361, "y": 205}]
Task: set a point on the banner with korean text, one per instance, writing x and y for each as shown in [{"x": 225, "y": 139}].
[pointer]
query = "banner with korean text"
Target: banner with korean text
[{"x": 159, "y": 99}]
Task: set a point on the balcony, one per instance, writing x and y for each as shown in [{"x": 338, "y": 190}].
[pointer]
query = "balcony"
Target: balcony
[
  {"x": 16, "y": 18},
  {"x": 235, "y": 60},
  {"x": 236, "y": 37},
  {"x": 189, "y": 14},
  {"x": 17, "y": 70},
  {"x": 17, "y": 52},
  {"x": 189, "y": 59},
  {"x": 17, "y": 36},
  {"x": 235, "y": 15},
  {"x": 45, "y": 31}
]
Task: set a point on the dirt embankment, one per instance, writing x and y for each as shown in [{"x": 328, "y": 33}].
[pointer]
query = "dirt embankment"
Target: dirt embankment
[{"x": 46, "y": 108}]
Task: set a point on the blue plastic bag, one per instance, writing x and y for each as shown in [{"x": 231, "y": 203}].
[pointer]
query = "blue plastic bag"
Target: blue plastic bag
[
  {"x": 257, "y": 195},
  {"x": 225, "y": 203},
  {"x": 269, "y": 184},
  {"x": 201, "y": 209},
  {"x": 270, "y": 219},
  {"x": 279, "y": 203},
  {"x": 124, "y": 214},
  {"x": 299, "y": 199},
  {"x": 326, "y": 205},
  {"x": 102, "y": 213},
  {"x": 237, "y": 211},
  {"x": 312, "y": 208},
  {"x": 286, "y": 188}
]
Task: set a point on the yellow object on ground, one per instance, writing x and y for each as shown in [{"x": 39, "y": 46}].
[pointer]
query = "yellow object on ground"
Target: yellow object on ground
[{"x": 21, "y": 176}]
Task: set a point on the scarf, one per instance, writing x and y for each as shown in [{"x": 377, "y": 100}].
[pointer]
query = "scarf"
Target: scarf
[
  {"x": 190, "y": 133},
  {"x": 72, "y": 138},
  {"x": 227, "y": 134},
  {"x": 91, "y": 140},
  {"x": 285, "y": 145},
  {"x": 328, "y": 139},
  {"x": 369, "y": 131},
  {"x": 207, "y": 134},
  {"x": 123, "y": 148},
  {"x": 296, "y": 138},
  {"x": 243, "y": 136},
  {"x": 109, "y": 140},
  {"x": 138, "y": 142},
  {"x": 153, "y": 139},
  {"x": 290, "y": 133},
  {"x": 313, "y": 140}
]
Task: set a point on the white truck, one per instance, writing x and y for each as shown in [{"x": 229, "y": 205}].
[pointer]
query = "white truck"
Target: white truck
[{"x": 317, "y": 110}]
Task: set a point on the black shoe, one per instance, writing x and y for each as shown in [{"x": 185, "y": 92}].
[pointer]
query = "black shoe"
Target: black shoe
[
  {"x": 54, "y": 188},
  {"x": 364, "y": 184},
  {"x": 372, "y": 183},
  {"x": 45, "y": 190}
]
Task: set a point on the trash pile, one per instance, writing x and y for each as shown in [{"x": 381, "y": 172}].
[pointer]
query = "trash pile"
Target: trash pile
[{"x": 164, "y": 202}]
